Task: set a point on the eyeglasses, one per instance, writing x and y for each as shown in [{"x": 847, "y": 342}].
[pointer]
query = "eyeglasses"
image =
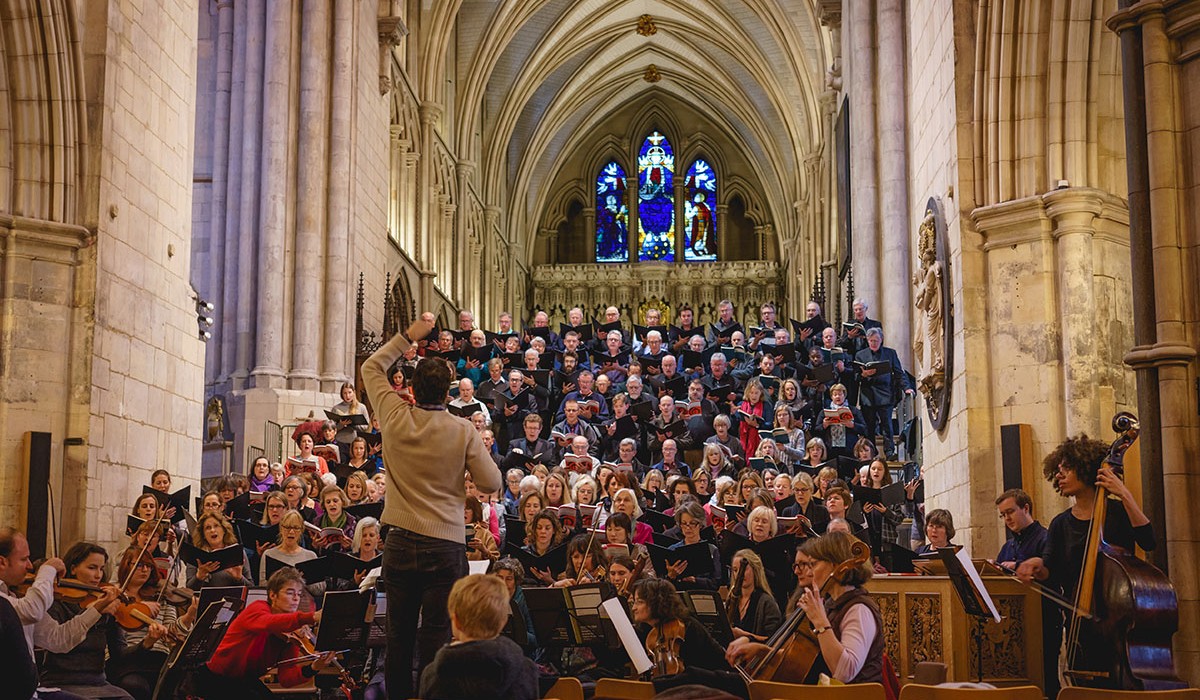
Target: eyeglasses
[
  {"x": 291, "y": 527},
  {"x": 689, "y": 523},
  {"x": 275, "y": 506},
  {"x": 802, "y": 565}
]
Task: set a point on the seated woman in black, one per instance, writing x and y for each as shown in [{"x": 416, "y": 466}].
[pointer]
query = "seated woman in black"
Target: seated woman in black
[
  {"x": 848, "y": 627},
  {"x": 752, "y": 609},
  {"x": 681, "y": 647}
]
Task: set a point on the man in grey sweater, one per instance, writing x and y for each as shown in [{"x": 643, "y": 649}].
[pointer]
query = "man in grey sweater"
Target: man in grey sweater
[{"x": 425, "y": 452}]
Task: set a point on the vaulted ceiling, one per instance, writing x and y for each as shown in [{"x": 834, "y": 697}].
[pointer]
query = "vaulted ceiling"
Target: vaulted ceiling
[{"x": 537, "y": 78}]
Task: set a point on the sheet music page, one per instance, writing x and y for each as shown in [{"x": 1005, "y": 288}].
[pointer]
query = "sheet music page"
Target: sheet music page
[
  {"x": 976, "y": 581},
  {"x": 629, "y": 639},
  {"x": 478, "y": 567}
]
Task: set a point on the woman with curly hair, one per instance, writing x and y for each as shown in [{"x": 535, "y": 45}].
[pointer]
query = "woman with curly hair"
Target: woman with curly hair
[
  {"x": 656, "y": 607},
  {"x": 214, "y": 531}
]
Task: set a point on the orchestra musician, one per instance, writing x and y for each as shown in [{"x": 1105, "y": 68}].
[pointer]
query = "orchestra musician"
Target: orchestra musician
[
  {"x": 753, "y": 612},
  {"x": 147, "y": 646},
  {"x": 677, "y": 643},
  {"x": 86, "y": 631},
  {"x": 1076, "y": 468},
  {"x": 848, "y": 627},
  {"x": 255, "y": 641},
  {"x": 586, "y": 562}
]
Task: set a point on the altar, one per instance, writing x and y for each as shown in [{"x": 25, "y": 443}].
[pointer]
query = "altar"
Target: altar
[{"x": 923, "y": 620}]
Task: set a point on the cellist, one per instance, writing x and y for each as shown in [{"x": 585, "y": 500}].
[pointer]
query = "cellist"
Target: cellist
[
  {"x": 1076, "y": 468},
  {"x": 848, "y": 628}
]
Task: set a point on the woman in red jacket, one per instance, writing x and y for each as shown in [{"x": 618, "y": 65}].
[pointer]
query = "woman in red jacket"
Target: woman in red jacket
[{"x": 255, "y": 642}]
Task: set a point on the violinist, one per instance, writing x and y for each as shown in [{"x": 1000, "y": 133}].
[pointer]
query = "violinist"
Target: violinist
[
  {"x": 752, "y": 609},
  {"x": 846, "y": 621},
  {"x": 1076, "y": 468},
  {"x": 623, "y": 573},
  {"x": 148, "y": 537},
  {"x": 15, "y": 567},
  {"x": 149, "y": 644},
  {"x": 676, "y": 642},
  {"x": 586, "y": 562},
  {"x": 82, "y": 629},
  {"x": 255, "y": 641}
]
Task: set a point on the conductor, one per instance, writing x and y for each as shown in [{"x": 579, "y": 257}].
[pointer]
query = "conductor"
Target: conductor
[{"x": 425, "y": 451}]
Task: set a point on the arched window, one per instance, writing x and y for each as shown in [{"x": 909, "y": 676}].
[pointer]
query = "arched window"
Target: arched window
[
  {"x": 612, "y": 215},
  {"x": 656, "y": 199},
  {"x": 699, "y": 213}
]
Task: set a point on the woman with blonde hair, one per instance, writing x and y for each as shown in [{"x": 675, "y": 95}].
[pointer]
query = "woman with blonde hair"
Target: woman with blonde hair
[
  {"x": 290, "y": 550},
  {"x": 213, "y": 531}
]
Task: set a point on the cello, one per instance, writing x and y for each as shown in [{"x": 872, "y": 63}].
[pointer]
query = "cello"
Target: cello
[
  {"x": 1126, "y": 609},
  {"x": 794, "y": 648}
]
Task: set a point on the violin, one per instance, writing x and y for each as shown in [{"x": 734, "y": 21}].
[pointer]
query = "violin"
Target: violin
[
  {"x": 76, "y": 591},
  {"x": 639, "y": 565},
  {"x": 1127, "y": 610},
  {"x": 307, "y": 641},
  {"x": 664, "y": 644},
  {"x": 794, "y": 648}
]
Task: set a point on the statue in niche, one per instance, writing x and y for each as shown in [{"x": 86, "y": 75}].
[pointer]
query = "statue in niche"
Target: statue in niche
[
  {"x": 214, "y": 414},
  {"x": 929, "y": 340}
]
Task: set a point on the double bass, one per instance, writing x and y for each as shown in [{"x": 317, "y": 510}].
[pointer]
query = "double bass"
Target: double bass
[{"x": 1126, "y": 609}]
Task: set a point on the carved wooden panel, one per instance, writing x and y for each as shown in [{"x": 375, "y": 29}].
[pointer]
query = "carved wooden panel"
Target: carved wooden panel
[
  {"x": 1003, "y": 642},
  {"x": 925, "y": 630},
  {"x": 889, "y": 611}
]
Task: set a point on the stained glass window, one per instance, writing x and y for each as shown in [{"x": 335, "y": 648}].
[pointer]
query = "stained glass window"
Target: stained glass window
[
  {"x": 699, "y": 213},
  {"x": 612, "y": 215},
  {"x": 656, "y": 200}
]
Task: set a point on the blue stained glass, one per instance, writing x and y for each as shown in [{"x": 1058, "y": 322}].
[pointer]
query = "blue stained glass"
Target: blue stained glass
[
  {"x": 699, "y": 213},
  {"x": 656, "y": 200},
  {"x": 612, "y": 215}
]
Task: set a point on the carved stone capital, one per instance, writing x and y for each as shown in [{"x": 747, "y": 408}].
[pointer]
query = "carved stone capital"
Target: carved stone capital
[{"x": 391, "y": 30}]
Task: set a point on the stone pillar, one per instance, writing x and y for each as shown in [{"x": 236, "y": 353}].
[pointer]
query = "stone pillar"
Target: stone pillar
[
  {"x": 251, "y": 182},
  {"x": 410, "y": 215},
  {"x": 722, "y": 232},
  {"x": 491, "y": 238},
  {"x": 446, "y": 251},
  {"x": 680, "y": 236},
  {"x": 220, "y": 177},
  {"x": 227, "y": 309},
  {"x": 1073, "y": 211},
  {"x": 268, "y": 369},
  {"x": 338, "y": 347},
  {"x": 860, "y": 31},
  {"x": 308, "y": 307},
  {"x": 589, "y": 223},
  {"x": 895, "y": 301},
  {"x": 463, "y": 170},
  {"x": 426, "y": 211}
]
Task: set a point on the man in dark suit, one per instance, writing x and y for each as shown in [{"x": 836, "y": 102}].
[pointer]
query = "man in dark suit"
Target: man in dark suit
[
  {"x": 853, "y": 342},
  {"x": 879, "y": 389}
]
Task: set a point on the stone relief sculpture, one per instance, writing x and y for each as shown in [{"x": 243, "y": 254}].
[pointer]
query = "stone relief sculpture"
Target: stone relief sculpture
[{"x": 930, "y": 340}]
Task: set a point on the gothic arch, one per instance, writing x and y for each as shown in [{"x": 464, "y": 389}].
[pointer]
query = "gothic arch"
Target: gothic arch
[
  {"x": 649, "y": 118},
  {"x": 560, "y": 203},
  {"x": 734, "y": 186},
  {"x": 43, "y": 148}
]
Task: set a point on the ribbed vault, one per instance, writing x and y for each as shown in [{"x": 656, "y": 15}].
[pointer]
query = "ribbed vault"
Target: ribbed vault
[{"x": 536, "y": 78}]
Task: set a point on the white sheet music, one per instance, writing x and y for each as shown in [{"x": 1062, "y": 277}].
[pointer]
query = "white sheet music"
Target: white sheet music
[
  {"x": 977, "y": 582},
  {"x": 629, "y": 639},
  {"x": 478, "y": 567}
]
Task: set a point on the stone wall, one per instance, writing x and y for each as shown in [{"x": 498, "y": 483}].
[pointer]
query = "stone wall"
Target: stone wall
[{"x": 147, "y": 366}]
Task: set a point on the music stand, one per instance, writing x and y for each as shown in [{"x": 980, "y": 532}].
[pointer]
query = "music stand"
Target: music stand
[
  {"x": 345, "y": 621},
  {"x": 199, "y": 646},
  {"x": 972, "y": 594},
  {"x": 568, "y": 617}
]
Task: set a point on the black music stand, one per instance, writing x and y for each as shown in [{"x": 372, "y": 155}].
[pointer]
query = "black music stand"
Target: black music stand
[
  {"x": 973, "y": 596},
  {"x": 570, "y": 617},
  {"x": 198, "y": 648},
  {"x": 345, "y": 620}
]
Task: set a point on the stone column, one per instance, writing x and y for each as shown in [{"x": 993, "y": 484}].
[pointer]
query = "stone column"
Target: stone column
[
  {"x": 308, "y": 307},
  {"x": 227, "y": 308},
  {"x": 492, "y": 243},
  {"x": 338, "y": 347},
  {"x": 220, "y": 174},
  {"x": 895, "y": 301},
  {"x": 722, "y": 231},
  {"x": 250, "y": 179},
  {"x": 446, "y": 252},
  {"x": 268, "y": 369},
  {"x": 463, "y": 170},
  {"x": 1073, "y": 211},
  {"x": 860, "y": 30},
  {"x": 427, "y": 211},
  {"x": 680, "y": 235},
  {"x": 410, "y": 216},
  {"x": 589, "y": 223}
]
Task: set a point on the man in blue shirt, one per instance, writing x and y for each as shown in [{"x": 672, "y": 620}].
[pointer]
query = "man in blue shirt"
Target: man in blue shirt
[{"x": 1028, "y": 540}]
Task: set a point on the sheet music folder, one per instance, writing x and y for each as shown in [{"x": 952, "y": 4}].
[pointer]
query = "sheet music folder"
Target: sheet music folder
[{"x": 571, "y": 616}]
